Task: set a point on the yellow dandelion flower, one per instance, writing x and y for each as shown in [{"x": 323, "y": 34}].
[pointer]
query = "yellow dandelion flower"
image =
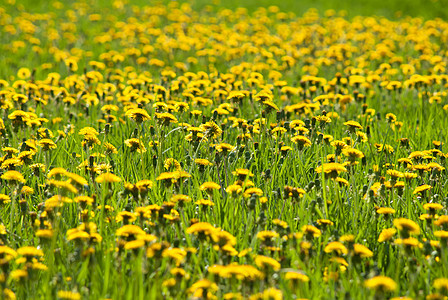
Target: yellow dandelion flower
[
  {"x": 310, "y": 230},
  {"x": 264, "y": 262},
  {"x": 362, "y": 251},
  {"x": 252, "y": 191},
  {"x": 441, "y": 284},
  {"x": 18, "y": 274},
  {"x": 407, "y": 226},
  {"x": 135, "y": 145},
  {"x": 69, "y": 295},
  {"x": 138, "y": 115},
  {"x": 335, "y": 247},
  {"x": 129, "y": 230},
  {"x": 353, "y": 125},
  {"x": 209, "y": 186},
  {"x": 29, "y": 251},
  {"x": 107, "y": 178},
  {"x": 385, "y": 211},
  {"x": 13, "y": 177},
  {"x": 422, "y": 188},
  {"x": 381, "y": 283},
  {"x": 203, "y": 162},
  {"x": 331, "y": 169},
  {"x": 201, "y": 228},
  {"x": 301, "y": 141},
  {"x": 432, "y": 206}
]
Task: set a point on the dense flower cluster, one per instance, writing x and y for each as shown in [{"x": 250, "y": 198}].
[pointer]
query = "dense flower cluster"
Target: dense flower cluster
[{"x": 160, "y": 152}]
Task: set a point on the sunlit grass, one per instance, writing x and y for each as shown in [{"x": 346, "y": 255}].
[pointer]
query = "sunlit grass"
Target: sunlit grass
[{"x": 190, "y": 151}]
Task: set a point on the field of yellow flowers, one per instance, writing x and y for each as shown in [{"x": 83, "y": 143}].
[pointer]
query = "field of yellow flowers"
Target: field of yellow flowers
[{"x": 163, "y": 152}]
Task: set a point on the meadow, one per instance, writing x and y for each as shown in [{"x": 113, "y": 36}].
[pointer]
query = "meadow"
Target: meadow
[{"x": 168, "y": 150}]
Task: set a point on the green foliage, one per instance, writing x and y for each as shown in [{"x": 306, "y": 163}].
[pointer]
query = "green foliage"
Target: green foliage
[{"x": 187, "y": 151}]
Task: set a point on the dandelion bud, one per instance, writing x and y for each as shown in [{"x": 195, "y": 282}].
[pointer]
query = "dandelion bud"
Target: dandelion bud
[
  {"x": 268, "y": 173},
  {"x": 154, "y": 161},
  {"x": 262, "y": 218},
  {"x": 275, "y": 194},
  {"x": 240, "y": 150},
  {"x": 23, "y": 207},
  {"x": 128, "y": 206},
  {"x": 23, "y": 146},
  {"x": 364, "y": 108},
  {"x": 279, "y": 115},
  {"x": 320, "y": 137},
  {"x": 364, "y": 189},
  {"x": 152, "y": 130},
  {"x": 307, "y": 123},
  {"x": 310, "y": 186},
  {"x": 247, "y": 155},
  {"x": 33, "y": 216},
  {"x": 282, "y": 159},
  {"x": 252, "y": 201}
]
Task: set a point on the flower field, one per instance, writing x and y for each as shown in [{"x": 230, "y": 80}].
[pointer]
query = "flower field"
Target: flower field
[{"x": 160, "y": 151}]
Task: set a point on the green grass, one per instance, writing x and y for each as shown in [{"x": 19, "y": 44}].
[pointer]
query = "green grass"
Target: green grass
[
  {"x": 290, "y": 192},
  {"x": 390, "y": 9}
]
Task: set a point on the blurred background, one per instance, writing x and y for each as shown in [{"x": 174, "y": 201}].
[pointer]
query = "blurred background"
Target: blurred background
[
  {"x": 392, "y": 9},
  {"x": 388, "y": 8}
]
